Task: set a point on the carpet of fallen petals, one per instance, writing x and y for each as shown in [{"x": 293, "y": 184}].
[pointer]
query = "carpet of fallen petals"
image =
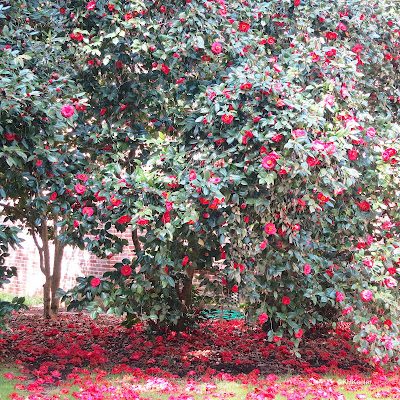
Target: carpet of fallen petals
[{"x": 110, "y": 362}]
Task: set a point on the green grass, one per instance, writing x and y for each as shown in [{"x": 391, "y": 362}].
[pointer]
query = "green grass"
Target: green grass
[
  {"x": 7, "y": 385},
  {"x": 240, "y": 390},
  {"x": 29, "y": 300}
]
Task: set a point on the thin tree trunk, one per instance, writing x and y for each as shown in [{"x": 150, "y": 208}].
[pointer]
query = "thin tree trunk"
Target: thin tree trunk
[
  {"x": 56, "y": 277},
  {"x": 47, "y": 269}
]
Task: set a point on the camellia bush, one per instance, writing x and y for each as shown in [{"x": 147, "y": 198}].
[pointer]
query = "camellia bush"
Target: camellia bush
[
  {"x": 263, "y": 135},
  {"x": 39, "y": 159}
]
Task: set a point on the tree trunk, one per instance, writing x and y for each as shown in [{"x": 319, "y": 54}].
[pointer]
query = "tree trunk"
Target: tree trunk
[
  {"x": 186, "y": 298},
  {"x": 56, "y": 277},
  {"x": 44, "y": 234}
]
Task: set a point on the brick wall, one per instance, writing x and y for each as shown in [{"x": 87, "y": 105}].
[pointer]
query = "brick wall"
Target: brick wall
[{"x": 76, "y": 262}]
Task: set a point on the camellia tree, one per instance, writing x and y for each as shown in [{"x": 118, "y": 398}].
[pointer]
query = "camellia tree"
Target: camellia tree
[
  {"x": 263, "y": 134},
  {"x": 38, "y": 158}
]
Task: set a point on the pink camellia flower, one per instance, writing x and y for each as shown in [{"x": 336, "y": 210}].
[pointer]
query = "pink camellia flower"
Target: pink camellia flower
[
  {"x": 329, "y": 100},
  {"x": 298, "y": 133},
  {"x": 371, "y": 132},
  {"x": 87, "y": 211},
  {"x": 390, "y": 282},
  {"x": 215, "y": 179},
  {"x": 268, "y": 162},
  {"x": 262, "y": 318},
  {"x": 91, "y": 5},
  {"x": 278, "y": 68},
  {"x": 263, "y": 245},
  {"x": 330, "y": 148},
  {"x": 192, "y": 175},
  {"x": 374, "y": 320},
  {"x": 352, "y": 154},
  {"x": 216, "y": 47},
  {"x": 307, "y": 269},
  {"x": 80, "y": 189},
  {"x": 318, "y": 145},
  {"x": 366, "y": 295},
  {"x": 67, "y": 110},
  {"x": 339, "y": 296},
  {"x": 270, "y": 229},
  {"x": 95, "y": 282}
]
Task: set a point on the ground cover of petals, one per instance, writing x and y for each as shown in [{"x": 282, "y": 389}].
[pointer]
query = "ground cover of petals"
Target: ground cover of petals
[{"x": 73, "y": 357}]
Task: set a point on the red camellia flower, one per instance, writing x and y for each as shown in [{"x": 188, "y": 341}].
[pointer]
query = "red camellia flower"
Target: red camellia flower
[
  {"x": 366, "y": 295},
  {"x": 142, "y": 221},
  {"x": 322, "y": 198},
  {"x": 331, "y": 35},
  {"x": 268, "y": 162},
  {"x": 95, "y": 282},
  {"x": 9, "y": 136},
  {"x": 216, "y": 47},
  {"x": 307, "y": 269},
  {"x": 126, "y": 270},
  {"x": 87, "y": 211},
  {"x": 124, "y": 219},
  {"x": 235, "y": 289},
  {"x": 271, "y": 40},
  {"x": 76, "y": 36},
  {"x": 244, "y": 26},
  {"x": 227, "y": 118},
  {"x": 262, "y": 318},
  {"x": 80, "y": 189},
  {"x": 246, "y": 86},
  {"x": 299, "y": 333},
  {"x": 165, "y": 69},
  {"x": 185, "y": 260},
  {"x": 53, "y": 196},
  {"x": 352, "y": 154},
  {"x": 67, "y": 110},
  {"x": 364, "y": 206},
  {"x": 270, "y": 228},
  {"x": 286, "y": 300},
  {"x": 91, "y": 5},
  {"x": 118, "y": 64},
  {"x": 357, "y": 48},
  {"x": 114, "y": 201}
]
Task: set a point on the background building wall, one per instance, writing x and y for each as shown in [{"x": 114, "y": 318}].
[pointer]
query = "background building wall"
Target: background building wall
[{"x": 76, "y": 262}]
